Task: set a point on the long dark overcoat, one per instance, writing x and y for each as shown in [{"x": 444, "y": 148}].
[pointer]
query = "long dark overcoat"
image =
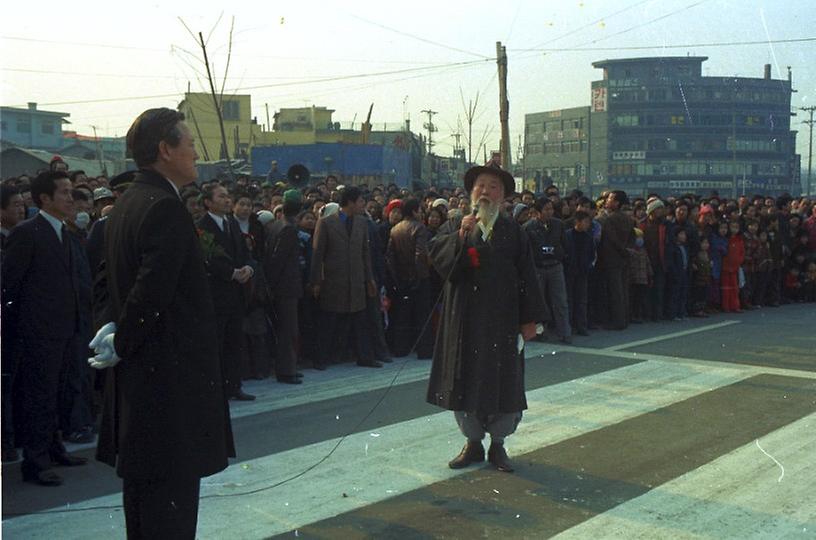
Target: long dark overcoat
[
  {"x": 341, "y": 264},
  {"x": 477, "y": 366},
  {"x": 165, "y": 411}
]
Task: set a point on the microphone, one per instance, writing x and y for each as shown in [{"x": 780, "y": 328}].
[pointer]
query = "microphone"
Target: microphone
[{"x": 475, "y": 210}]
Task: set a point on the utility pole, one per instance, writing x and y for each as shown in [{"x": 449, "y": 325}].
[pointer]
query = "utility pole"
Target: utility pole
[
  {"x": 429, "y": 125},
  {"x": 504, "y": 106},
  {"x": 217, "y": 109},
  {"x": 810, "y": 145},
  {"x": 100, "y": 153},
  {"x": 268, "y": 125}
]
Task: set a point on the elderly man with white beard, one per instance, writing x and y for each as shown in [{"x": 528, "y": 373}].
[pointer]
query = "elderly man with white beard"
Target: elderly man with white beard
[{"x": 492, "y": 305}]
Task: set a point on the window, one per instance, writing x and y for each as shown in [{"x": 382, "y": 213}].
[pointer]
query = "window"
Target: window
[
  {"x": 47, "y": 128},
  {"x": 23, "y": 125},
  {"x": 230, "y": 110},
  {"x": 3, "y": 125}
]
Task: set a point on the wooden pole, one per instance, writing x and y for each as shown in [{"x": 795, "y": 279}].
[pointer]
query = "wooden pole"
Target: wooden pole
[
  {"x": 504, "y": 106},
  {"x": 217, "y": 109}
]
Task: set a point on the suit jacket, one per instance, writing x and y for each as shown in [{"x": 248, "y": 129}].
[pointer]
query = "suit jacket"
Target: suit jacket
[
  {"x": 165, "y": 411},
  {"x": 281, "y": 263},
  {"x": 617, "y": 233},
  {"x": 341, "y": 264},
  {"x": 228, "y": 295},
  {"x": 40, "y": 282}
]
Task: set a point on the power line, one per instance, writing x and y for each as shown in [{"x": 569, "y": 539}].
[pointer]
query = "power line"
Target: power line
[
  {"x": 283, "y": 84},
  {"x": 587, "y": 25},
  {"x": 645, "y": 23},
  {"x": 413, "y": 36},
  {"x": 680, "y": 46}
]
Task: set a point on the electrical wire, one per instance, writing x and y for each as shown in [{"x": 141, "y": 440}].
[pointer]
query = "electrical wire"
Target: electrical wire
[
  {"x": 311, "y": 467},
  {"x": 678, "y": 46}
]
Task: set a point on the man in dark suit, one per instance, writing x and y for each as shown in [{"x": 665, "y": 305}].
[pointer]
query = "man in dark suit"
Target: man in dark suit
[
  {"x": 617, "y": 234},
  {"x": 165, "y": 419},
  {"x": 284, "y": 281},
  {"x": 40, "y": 321},
  {"x": 228, "y": 266}
]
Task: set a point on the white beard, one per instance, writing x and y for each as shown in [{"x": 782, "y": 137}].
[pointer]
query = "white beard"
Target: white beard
[{"x": 487, "y": 210}]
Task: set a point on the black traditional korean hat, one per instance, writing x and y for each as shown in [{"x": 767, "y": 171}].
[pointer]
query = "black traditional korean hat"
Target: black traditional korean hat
[{"x": 490, "y": 168}]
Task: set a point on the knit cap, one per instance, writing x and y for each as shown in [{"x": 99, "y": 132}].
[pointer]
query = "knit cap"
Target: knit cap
[{"x": 654, "y": 205}]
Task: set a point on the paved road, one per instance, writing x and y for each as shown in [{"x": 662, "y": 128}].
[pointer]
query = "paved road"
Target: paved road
[{"x": 674, "y": 430}]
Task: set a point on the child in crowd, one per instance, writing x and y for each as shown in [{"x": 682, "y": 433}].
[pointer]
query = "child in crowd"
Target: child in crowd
[
  {"x": 792, "y": 287},
  {"x": 776, "y": 245},
  {"x": 579, "y": 257},
  {"x": 701, "y": 279},
  {"x": 809, "y": 284},
  {"x": 749, "y": 267},
  {"x": 718, "y": 248},
  {"x": 640, "y": 278},
  {"x": 762, "y": 270},
  {"x": 732, "y": 261},
  {"x": 678, "y": 275}
]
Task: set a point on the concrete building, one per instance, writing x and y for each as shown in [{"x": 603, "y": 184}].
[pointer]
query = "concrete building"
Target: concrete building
[
  {"x": 657, "y": 125},
  {"x": 16, "y": 161},
  {"x": 90, "y": 147},
  {"x": 241, "y": 129},
  {"x": 556, "y": 149},
  {"x": 32, "y": 127},
  {"x": 309, "y": 125}
]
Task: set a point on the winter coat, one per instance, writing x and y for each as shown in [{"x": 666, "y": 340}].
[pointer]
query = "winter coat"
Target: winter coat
[
  {"x": 736, "y": 254},
  {"x": 640, "y": 269},
  {"x": 492, "y": 290}
]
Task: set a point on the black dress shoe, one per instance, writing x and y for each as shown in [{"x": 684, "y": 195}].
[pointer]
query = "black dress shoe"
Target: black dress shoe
[
  {"x": 319, "y": 367},
  {"x": 45, "y": 477},
  {"x": 290, "y": 379},
  {"x": 373, "y": 363},
  {"x": 583, "y": 333},
  {"x": 299, "y": 374},
  {"x": 67, "y": 460},
  {"x": 472, "y": 452},
  {"x": 498, "y": 457},
  {"x": 242, "y": 396}
]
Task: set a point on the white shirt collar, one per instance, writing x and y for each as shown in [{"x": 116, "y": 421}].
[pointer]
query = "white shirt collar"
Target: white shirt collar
[
  {"x": 487, "y": 228},
  {"x": 56, "y": 223},
  {"x": 175, "y": 187},
  {"x": 219, "y": 220}
]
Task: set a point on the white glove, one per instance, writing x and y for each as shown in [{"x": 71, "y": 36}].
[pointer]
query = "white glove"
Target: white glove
[{"x": 102, "y": 344}]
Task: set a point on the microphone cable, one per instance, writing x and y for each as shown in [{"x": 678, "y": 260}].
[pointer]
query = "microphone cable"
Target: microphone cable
[{"x": 334, "y": 448}]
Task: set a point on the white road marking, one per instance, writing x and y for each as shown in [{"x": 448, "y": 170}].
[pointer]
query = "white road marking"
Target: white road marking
[{"x": 673, "y": 335}]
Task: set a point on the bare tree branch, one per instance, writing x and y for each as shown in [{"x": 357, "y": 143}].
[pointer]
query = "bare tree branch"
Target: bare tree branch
[
  {"x": 226, "y": 70},
  {"x": 218, "y": 20}
]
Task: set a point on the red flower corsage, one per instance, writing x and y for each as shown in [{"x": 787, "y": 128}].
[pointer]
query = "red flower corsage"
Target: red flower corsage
[{"x": 473, "y": 254}]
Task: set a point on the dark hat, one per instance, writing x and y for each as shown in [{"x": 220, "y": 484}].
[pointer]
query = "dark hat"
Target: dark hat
[
  {"x": 122, "y": 181},
  {"x": 490, "y": 168}
]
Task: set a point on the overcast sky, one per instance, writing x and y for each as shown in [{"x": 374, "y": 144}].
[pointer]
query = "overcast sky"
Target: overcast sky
[{"x": 65, "y": 55}]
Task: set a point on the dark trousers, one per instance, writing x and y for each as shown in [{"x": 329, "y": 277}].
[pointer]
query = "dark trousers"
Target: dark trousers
[
  {"x": 42, "y": 374},
  {"x": 165, "y": 508},
  {"x": 341, "y": 330},
  {"x": 773, "y": 293},
  {"x": 230, "y": 339},
  {"x": 638, "y": 298},
  {"x": 759, "y": 287},
  {"x": 679, "y": 286},
  {"x": 577, "y": 299},
  {"x": 77, "y": 394},
  {"x": 597, "y": 297},
  {"x": 409, "y": 312},
  {"x": 308, "y": 315},
  {"x": 655, "y": 307},
  {"x": 9, "y": 357},
  {"x": 617, "y": 290},
  {"x": 286, "y": 334},
  {"x": 375, "y": 330}
]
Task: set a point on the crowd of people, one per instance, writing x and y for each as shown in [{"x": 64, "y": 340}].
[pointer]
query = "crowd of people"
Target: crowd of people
[{"x": 310, "y": 276}]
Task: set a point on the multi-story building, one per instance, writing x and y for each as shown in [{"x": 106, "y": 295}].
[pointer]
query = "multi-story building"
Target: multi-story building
[
  {"x": 657, "y": 125},
  {"x": 556, "y": 149},
  {"x": 32, "y": 127},
  {"x": 240, "y": 128}
]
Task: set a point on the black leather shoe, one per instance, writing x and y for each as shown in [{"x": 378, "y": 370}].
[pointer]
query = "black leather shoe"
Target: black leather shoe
[
  {"x": 67, "y": 460},
  {"x": 582, "y": 332},
  {"x": 45, "y": 477},
  {"x": 498, "y": 457},
  {"x": 290, "y": 379},
  {"x": 472, "y": 452},
  {"x": 370, "y": 364},
  {"x": 242, "y": 396},
  {"x": 319, "y": 367},
  {"x": 299, "y": 374}
]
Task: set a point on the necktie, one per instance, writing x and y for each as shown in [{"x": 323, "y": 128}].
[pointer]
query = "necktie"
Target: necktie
[
  {"x": 349, "y": 224},
  {"x": 226, "y": 226}
]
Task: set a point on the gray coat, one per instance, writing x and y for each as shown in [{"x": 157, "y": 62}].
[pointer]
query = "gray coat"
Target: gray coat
[
  {"x": 341, "y": 265},
  {"x": 477, "y": 365}
]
